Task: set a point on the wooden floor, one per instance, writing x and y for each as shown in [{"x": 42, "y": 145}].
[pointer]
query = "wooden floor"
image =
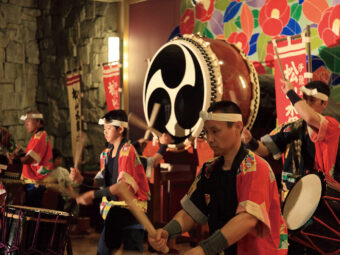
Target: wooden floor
[{"x": 86, "y": 244}]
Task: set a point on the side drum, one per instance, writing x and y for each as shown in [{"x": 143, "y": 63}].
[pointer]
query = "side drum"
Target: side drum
[
  {"x": 29, "y": 230},
  {"x": 311, "y": 211},
  {"x": 187, "y": 74}
]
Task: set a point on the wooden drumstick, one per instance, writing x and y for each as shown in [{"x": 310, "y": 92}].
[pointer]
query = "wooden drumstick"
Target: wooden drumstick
[
  {"x": 279, "y": 61},
  {"x": 154, "y": 114},
  {"x": 48, "y": 182},
  {"x": 137, "y": 212},
  {"x": 141, "y": 124},
  {"x": 79, "y": 149}
]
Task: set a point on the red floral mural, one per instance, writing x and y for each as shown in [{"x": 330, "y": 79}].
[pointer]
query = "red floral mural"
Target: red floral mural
[
  {"x": 204, "y": 10},
  {"x": 187, "y": 22},
  {"x": 313, "y": 9},
  {"x": 329, "y": 27},
  {"x": 259, "y": 67},
  {"x": 240, "y": 39},
  {"x": 274, "y": 16}
]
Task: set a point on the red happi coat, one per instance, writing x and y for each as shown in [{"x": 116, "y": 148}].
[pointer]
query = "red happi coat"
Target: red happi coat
[
  {"x": 131, "y": 171},
  {"x": 39, "y": 148}
]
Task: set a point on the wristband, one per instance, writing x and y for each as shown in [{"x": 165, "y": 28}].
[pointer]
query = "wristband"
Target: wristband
[
  {"x": 162, "y": 149},
  {"x": 173, "y": 228},
  {"x": 102, "y": 193},
  {"x": 16, "y": 161},
  {"x": 215, "y": 243},
  {"x": 253, "y": 144},
  {"x": 293, "y": 97}
]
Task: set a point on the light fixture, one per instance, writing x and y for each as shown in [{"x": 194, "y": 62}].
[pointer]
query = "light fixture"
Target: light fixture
[{"x": 113, "y": 49}]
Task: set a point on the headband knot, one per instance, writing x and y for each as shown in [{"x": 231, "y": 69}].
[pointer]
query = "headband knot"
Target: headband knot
[
  {"x": 314, "y": 93},
  {"x": 31, "y": 116}
]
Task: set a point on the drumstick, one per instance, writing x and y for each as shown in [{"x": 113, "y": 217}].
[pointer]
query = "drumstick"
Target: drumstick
[
  {"x": 79, "y": 149},
  {"x": 140, "y": 215},
  {"x": 279, "y": 61},
  {"x": 141, "y": 124},
  {"x": 154, "y": 114},
  {"x": 50, "y": 183}
]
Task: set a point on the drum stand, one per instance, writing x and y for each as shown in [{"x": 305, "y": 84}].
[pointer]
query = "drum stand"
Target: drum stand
[{"x": 9, "y": 248}]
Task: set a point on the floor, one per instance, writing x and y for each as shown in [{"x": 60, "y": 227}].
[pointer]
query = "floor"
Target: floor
[{"x": 86, "y": 244}]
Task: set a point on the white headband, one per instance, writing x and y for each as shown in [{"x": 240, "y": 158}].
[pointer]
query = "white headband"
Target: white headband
[
  {"x": 314, "y": 93},
  {"x": 231, "y": 117},
  {"x": 31, "y": 116},
  {"x": 113, "y": 122}
]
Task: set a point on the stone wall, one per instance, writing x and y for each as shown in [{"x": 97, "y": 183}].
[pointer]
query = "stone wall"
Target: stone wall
[
  {"x": 19, "y": 60},
  {"x": 58, "y": 36}
]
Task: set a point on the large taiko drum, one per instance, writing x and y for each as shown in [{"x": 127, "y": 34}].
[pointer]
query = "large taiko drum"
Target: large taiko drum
[
  {"x": 30, "y": 230},
  {"x": 187, "y": 74}
]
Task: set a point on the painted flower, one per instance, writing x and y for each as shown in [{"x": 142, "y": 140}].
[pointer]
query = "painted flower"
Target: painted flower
[
  {"x": 329, "y": 27},
  {"x": 187, "y": 22},
  {"x": 259, "y": 67},
  {"x": 204, "y": 10},
  {"x": 313, "y": 9},
  {"x": 240, "y": 40},
  {"x": 274, "y": 16}
]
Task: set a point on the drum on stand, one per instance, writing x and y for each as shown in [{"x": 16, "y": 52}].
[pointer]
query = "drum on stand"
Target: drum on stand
[
  {"x": 29, "y": 230},
  {"x": 311, "y": 211},
  {"x": 187, "y": 74}
]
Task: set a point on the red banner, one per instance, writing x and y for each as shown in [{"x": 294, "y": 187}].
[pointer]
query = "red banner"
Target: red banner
[
  {"x": 111, "y": 85},
  {"x": 293, "y": 60}
]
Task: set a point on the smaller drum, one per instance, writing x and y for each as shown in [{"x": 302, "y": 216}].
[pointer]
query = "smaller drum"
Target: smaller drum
[
  {"x": 29, "y": 230},
  {"x": 311, "y": 211}
]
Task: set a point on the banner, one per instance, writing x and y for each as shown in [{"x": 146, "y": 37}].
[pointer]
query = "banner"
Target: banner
[
  {"x": 74, "y": 101},
  {"x": 293, "y": 59},
  {"x": 111, "y": 85}
]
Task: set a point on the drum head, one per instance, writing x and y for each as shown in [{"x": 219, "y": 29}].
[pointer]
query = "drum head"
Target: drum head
[
  {"x": 302, "y": 201},
  {"x": 187, "y": 74}
]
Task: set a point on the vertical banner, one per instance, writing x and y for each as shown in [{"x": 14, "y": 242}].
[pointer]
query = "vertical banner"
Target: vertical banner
[
  {"x": 111, "y": 85},
  {"x": 74, "y": 101},
  {"x": 293, "y": 59}
]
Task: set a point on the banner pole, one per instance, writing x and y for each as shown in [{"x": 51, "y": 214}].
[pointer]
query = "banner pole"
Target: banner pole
[
  {"x": 279, "y": 62},
  {"x": 309, "y": 54}
]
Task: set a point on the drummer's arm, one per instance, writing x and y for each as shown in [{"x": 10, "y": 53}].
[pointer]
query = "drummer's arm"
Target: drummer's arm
[
  {"x": 253, "y": 144},
  {"x": 27, "y": 159},
  {"x": 306, "y": 112},
  {"x": 233, "y": 231}
]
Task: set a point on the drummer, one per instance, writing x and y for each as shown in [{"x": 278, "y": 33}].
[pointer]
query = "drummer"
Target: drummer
[
  {"x": 38, "y": 160},
  {"x": 119, "y": 163},
  {"x": 308, "y": 143},
  {"x": 236, "y": 193}
]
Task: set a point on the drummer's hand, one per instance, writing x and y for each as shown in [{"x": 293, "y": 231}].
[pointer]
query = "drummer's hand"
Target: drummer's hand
[
  {"x": 86, "y": 198},
  {"x": 17, "y": 150},
  {"x": 165, "y": 139},
  {"x": 10, "y": 158},
  {"x": 246, "y": 136},
  {"x": 159, "y": 242},
  {"x": 286, "y": 86},
  {"x": 198, "y": 250},
  {"x": 76, "y": 176}
]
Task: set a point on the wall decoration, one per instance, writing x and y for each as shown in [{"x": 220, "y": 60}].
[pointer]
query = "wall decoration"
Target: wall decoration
[{"x": 250, "y": 24}]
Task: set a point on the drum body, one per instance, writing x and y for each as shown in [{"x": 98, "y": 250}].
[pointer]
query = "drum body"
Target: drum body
[
  {"x": 311, "y": 211},
  {"x": 29, "y": 230},
  {"x": 187, "y": 74}
]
